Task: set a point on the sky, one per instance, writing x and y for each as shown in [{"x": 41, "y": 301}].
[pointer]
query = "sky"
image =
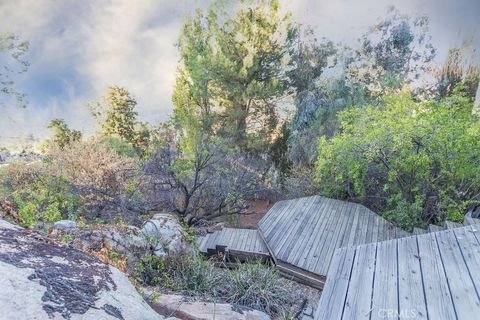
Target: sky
[{"x": 79, "y": 48}]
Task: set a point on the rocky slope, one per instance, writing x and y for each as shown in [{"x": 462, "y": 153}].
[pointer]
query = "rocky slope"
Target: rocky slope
[{"x": 42, "y": 279}]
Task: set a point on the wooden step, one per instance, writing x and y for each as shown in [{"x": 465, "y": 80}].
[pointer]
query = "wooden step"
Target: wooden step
[
  {"x": 419, "y": 231},
  {"x": 452, "y": 225},
  {"x": 211, "y": 244},
  {"x": 434, "y": 228}
]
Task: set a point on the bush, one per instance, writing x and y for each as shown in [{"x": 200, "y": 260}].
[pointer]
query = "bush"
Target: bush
[
  {"x": 120, "y": 146},
  {"x": 417, "y": 163},
  {"x": 39, "y": 195},
  {"x": 202, "y": 187},
  {"x": 104, "y": 180}
]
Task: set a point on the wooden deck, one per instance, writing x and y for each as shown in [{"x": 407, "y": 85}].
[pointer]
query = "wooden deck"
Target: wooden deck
[
  {"x": 241, "y": 244},
  {"x": 427, "y": 276},
  {"x": 302, "y": 234}
]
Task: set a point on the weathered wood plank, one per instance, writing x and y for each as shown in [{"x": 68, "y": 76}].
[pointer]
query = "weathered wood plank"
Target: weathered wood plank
[
  {"x": 359, "y": 296},
  {"x": 468, "y": 242},
  {"x": 418, "y": 231},
  {"x": 437, "y": 293},
  {"x": 273, "y": 212},
  {"x": 410, "y": 283},
  {"x": 322, "y": 264},
  {"x": 285, "y": 221},
  {"x": 296, "y": 231},
  {"x": 322, "y": 241},
  {"x": 252, "y": 236},
  {"x": 355, "y": 226},
  {"x": 314, "y": 241},
  {"x": 435, "y": 228},
  {"x": 277, "y": 214},
  {"x": 299, "y": 246},
  {"x": 452, "y": 225},
  {"x": 329, "y": 232},
  {"x": 376, "y": 226},
  {"x": 459, "y": 281},
  {"x": 336, "y": 286},
  {"x": 385, "y": 286},
  {"x": 350, "y": 214}
]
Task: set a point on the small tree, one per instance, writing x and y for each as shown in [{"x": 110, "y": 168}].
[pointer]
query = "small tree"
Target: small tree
[
  {"x": 116, "y": 114},
  {"x": 62, "y": 134}
]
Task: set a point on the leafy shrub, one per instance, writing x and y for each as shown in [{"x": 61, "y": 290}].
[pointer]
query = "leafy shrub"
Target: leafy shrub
[
  {"x": 38, "y": 194},
  {"x": 418, "y": 163},
  {"x": 120, "y": 146}
]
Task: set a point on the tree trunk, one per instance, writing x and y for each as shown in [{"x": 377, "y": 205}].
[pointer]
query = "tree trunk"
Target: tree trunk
[{"x": 240, "y": 135}]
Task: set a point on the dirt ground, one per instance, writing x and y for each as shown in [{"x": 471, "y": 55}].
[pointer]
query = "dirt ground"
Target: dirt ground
[{"x": 255, "y": 211}]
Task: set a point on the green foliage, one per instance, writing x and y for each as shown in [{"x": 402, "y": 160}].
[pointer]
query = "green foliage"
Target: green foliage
[
  {"x": 250, "y": 284},
  {"x": 46, "y": 198},
  {"x": 120, "y": 146},
  {"x": 12, "y": 52},
  {"x": 259, "y": 287},
  {"x": 116, "y": 113},
  {"x": 181, "y": 273},
  {"x": 117, "y": 118},
  {"x": 62, "y": 134},
  {"x": 231, "y": 73},
  {"x": 416, "y": 162}
]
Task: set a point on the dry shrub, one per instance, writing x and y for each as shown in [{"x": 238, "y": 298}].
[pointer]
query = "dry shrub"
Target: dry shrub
[
  {"x": 18, "y": 175},
  {"x": 100, "y": 176}
]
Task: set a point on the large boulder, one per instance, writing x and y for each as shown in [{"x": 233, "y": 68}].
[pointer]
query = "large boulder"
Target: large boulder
[
  {"x": 166, "y": 235},
  {"x": 42, "y": 279}
]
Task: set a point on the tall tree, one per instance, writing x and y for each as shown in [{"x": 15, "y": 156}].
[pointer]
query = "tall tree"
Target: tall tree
[{"x": 232, "y": 71}]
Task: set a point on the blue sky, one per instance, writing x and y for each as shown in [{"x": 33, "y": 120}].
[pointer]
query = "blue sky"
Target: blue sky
[{"x": 79, "y": 48}]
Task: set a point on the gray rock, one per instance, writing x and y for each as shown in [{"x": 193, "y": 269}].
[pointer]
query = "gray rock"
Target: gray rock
[
  {"x": 166, "y": 235},
  {"x": 41, "y": 279},
  {"x": 65, "y": 224},
  {"x": 198, "y": 310}
]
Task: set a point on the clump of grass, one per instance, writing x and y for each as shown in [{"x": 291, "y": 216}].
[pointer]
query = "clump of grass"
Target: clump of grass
[
  {"x": 190, "y": 275},
  {"x": 258, "y": 286},
  {"x": 251, "y": 284}
]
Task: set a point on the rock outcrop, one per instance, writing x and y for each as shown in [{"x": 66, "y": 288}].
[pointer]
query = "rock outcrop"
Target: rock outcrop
[
  {"x": 162, "y": 235},
  {"x": 42, "y": 279},
  {"x": 166, "y": 235}
]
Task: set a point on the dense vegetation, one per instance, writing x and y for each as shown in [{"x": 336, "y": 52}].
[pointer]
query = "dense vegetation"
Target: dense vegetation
[{"x": 264, "y": 108}]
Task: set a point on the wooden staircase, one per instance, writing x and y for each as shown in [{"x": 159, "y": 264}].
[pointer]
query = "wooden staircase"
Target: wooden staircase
[{"x": 240, "y": 244}]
